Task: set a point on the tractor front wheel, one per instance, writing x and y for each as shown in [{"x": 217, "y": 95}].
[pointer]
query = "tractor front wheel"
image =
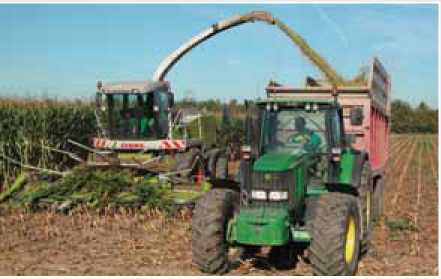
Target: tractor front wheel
[
  {"x": 210, "y": 249},
  {"x": 335, "y": 243}
]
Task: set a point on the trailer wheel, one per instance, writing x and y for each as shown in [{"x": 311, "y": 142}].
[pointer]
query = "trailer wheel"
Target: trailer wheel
[
  {"x": 222, "y": 167},
  {"x": 366, "y": 203},
  {"x": 378, "y": 202},
  {"x": 335, "y": 243},
  {"x": 210, "y": 249}
]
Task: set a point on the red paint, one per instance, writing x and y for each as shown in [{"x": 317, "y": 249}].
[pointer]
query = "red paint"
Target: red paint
[
  {"x": 132, "y": 145},
  {"x": 199, "y": 177}
]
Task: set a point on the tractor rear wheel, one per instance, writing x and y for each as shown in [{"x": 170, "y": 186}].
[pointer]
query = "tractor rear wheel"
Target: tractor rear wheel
[
  {"x": 210, "y": 249},
  {"x": 366, "y": 204},
  {"x": 335, "y": 243}
]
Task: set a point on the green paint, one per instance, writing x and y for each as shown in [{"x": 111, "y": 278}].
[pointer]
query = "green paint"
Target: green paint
[
  {"x": 275, "y": 161},
  {"x": 300, "y": 185},
  {"x": 261, "y": 226},
  {"x": 231, "y": 230},
  {"x": 346, "y": 167}
]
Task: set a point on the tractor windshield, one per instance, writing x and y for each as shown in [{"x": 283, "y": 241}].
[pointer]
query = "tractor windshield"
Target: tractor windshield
[{"x": 293, "y": 131}]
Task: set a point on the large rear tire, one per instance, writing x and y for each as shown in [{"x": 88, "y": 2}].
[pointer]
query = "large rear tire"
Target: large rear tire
[
  {"x": 366, "y": 198},
  {"x": 335, "y": 243},
  {"x": 210, "y": 249}
]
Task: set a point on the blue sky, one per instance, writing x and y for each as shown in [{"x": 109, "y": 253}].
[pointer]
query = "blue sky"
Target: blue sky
[{"x": 62, "y": 50}]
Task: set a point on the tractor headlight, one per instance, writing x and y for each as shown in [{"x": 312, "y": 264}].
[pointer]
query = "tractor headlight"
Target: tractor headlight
[
  {"x": 258, "y": 195},
  {"x": 278, "y": 196}
]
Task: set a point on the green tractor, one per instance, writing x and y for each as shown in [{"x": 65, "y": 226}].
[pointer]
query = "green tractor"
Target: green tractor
[{"x": 301, "y": 185}]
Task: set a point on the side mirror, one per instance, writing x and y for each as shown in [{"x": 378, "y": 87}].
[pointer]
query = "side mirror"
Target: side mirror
[{"x": 356, "y": 116}]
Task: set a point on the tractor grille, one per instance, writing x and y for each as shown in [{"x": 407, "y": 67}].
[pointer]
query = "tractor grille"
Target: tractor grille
[{"x": 273, "y": 181}]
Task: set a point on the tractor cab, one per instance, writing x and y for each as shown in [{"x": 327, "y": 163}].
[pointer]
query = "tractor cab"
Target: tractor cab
[
  {"x": 286, "y": 135},
  {"x": 134, "y": 110}
]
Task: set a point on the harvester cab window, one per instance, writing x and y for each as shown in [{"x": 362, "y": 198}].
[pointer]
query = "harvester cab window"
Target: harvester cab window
[
  {"x": 129, "y": 124},
  {"x": 161, "y": 107},
  {"x": 130, "y": 116}
]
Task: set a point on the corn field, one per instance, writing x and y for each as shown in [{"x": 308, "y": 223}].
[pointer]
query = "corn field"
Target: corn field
[{"x": 29, "y": 127}]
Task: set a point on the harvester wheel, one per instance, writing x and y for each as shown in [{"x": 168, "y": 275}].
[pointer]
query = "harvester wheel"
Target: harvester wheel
[
  {"x": 335, "y": 243},
  {"x": 366, "y": 198},
  {"x": 222, "y": 167},
  {"x": 191, "y": 160},
  {"x": 378, "y": 202},
  {"x": 218, "y": 164},
  {"x": 210, "y": 249}
]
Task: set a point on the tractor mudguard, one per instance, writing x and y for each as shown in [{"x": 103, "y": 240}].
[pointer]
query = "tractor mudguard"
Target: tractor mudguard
[
  {"x": 351, "y": 168},
  {"x": 360, "y": 159}
]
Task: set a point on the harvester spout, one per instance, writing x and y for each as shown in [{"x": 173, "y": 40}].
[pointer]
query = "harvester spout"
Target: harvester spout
[
  {"x": 165, "y": 66},
  {"x": 214, "y": 29}
]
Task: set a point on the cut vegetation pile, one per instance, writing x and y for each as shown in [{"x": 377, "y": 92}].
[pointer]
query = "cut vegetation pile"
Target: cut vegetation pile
[{"x": 88, "y": 188}]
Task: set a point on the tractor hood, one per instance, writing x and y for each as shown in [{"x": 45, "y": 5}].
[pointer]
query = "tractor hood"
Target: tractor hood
[{"x": 276, "y": 162}]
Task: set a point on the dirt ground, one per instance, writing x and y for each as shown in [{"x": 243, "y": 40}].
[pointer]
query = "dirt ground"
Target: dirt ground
[{"x": 132, "y": 244}]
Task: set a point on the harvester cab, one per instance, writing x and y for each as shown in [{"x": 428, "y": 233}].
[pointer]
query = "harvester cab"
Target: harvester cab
[{"x": 135, "y": 110}]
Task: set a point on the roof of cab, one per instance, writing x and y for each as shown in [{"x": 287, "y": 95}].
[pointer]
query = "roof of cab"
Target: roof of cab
[
  {"x": 131, "y": 87},
  {"x": 296, "y": 101}
]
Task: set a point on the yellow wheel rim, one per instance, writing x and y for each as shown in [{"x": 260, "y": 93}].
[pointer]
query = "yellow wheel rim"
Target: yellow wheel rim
[{"x": 350, "y": 240}]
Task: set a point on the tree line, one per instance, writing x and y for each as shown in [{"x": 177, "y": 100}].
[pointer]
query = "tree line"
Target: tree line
[
  {"x": 405, "y": 118},
  {"x": 408, "y": 119}
]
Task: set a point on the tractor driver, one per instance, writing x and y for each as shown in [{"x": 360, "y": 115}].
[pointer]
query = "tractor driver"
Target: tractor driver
[{"x": 309, "y": 139}]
